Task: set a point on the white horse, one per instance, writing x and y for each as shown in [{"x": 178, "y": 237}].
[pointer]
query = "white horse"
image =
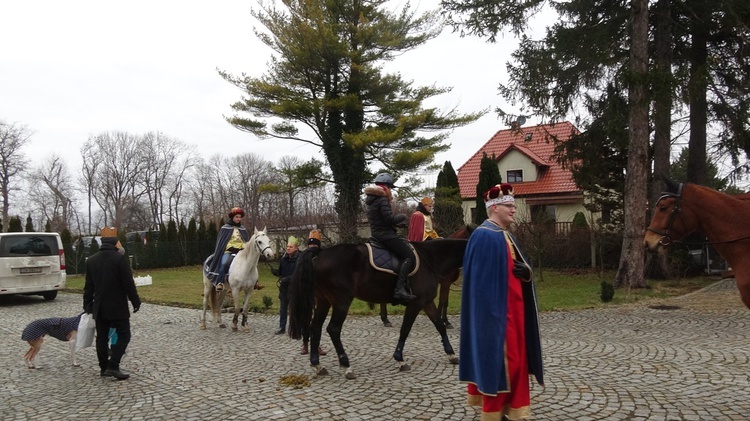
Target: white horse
[{"x": 243, "y": 275}]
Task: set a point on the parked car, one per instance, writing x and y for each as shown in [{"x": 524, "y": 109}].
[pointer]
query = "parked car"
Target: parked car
[
  {"x": 85, "y": 244},
  {"x": 32, "y": 263},
  {"x": 142, "y": 236}
]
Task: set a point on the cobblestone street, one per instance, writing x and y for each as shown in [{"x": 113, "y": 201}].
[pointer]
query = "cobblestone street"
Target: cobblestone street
[{"x": 685, "y": 358}]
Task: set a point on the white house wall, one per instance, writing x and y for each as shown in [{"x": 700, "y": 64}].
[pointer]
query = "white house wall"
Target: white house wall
[{"x": 515, "y": 160}]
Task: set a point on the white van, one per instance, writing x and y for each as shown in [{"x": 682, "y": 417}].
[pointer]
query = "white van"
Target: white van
[{"x": 32, "y": 263}]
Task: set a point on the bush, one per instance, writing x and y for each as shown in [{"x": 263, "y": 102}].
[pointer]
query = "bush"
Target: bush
[{"x": 608, "y": 292}]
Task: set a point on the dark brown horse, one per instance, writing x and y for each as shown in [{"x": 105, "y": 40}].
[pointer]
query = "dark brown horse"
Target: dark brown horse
[
  {"x": 445, "y": 288},
  {"x": 685, "y": 208},
  {"x": 331, "y": 278}
]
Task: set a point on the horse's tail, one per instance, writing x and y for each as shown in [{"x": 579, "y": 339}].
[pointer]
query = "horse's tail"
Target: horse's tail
[{"x": 302, "y": 294}]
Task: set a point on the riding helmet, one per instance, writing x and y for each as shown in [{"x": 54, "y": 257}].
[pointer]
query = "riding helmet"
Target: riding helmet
[{"x": 384, "y": 179}]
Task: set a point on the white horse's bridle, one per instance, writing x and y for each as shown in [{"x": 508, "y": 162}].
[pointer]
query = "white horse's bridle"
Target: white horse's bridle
[{"x": 257, "y": 246}]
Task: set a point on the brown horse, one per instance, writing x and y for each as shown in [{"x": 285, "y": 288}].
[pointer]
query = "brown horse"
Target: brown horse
[
  {"x": 331, "y": 278},
  {"x": 685, "y": 208},
  {"x": 445, "y": 288}
]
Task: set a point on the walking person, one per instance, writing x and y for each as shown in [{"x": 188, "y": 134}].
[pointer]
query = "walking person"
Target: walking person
[
  {"x": 109, "y": 285},
  {"x": 383, "y": 223},
  {"x": 313, "y": 241},
  {"x": 500, "y": 342},
  {"x": 231, "y": 239},
  {"x": 284, "y": 272}
]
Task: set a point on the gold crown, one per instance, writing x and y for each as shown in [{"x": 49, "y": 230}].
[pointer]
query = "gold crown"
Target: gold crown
[
  {"x": 314, "y": 234},
  {"x": 109, "y": 232}
]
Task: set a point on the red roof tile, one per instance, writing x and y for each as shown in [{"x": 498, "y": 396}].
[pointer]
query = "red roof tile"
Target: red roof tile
[{"x": 540, "y": 147}]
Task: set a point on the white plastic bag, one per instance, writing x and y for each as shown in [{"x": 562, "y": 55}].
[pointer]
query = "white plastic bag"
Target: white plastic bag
[{"x": 86, "y": 328}]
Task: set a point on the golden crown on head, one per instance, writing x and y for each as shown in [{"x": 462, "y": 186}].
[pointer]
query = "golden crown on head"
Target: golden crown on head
[
  {"x": 109, "y": 232},
  {"x": 499, "y": 194},
  {"x": 313, "y": 239}
]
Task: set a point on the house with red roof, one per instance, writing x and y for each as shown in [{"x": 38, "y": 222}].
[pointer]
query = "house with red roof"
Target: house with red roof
[{"x": 525, "y": 158}]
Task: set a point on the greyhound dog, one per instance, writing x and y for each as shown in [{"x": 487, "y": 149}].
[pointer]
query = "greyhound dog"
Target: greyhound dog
[{"x": 64, "y": 329}]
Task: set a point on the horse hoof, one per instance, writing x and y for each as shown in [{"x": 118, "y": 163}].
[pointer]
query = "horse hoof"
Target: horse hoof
[
  {"x": 404, "y": 367},
  {"x": 350, "y": 375},
  {"x": 320, "y": 371},
  {"x": 245, "y": 330},
  {"x": 202, "y": 327},
  {"x": 223, "y": 326},
  {"x": 453, "y": 359},
  {"x": 448, "y": 325},
  {"x": 234, "y": 328},
  {"x": 387, "y": 324}
]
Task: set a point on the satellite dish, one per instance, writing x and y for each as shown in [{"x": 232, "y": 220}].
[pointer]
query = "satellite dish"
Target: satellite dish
[{"x": 521, "y": 120}]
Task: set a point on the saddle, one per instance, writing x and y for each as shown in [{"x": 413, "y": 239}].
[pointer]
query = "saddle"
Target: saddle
[{"x": 384, "y": 260}]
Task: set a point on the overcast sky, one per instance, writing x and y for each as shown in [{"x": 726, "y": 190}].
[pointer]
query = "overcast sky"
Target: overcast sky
[{"x": 71, "y": 70}]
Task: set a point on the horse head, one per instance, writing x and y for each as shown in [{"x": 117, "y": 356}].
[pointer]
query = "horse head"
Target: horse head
[
  {"x": 672, "y": 220},
  {"x": 262, "y": 243}
]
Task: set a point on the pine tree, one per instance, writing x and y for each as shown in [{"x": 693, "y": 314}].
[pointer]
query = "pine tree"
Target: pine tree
[
  {"x": 14, "y": 224},
  {"x": 448, "y": 213},
  {"x": 489, "y": 175},
  {"x": 327, "y": 74}
]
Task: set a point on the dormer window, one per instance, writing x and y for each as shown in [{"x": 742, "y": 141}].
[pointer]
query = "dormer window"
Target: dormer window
[{"x": 514, "y": 176}]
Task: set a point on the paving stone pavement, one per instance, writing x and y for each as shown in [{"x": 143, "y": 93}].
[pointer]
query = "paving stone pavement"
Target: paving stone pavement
[{"x": 648, "y": 361}]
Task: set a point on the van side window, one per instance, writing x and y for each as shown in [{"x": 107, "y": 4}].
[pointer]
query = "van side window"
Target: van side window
[{"x": 28, "y": 246}]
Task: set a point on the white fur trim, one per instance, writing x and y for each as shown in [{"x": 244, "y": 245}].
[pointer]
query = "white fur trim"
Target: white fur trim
[{"x": 500, "y": 200}]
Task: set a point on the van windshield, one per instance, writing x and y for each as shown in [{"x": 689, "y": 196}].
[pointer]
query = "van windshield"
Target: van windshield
[{"x": 28, "y": 245}]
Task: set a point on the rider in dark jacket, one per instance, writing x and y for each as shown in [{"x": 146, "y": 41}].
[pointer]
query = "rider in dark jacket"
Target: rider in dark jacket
[{"x": 383, "y": 224}]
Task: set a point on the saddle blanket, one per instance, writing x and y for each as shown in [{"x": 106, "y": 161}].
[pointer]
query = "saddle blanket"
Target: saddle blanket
[{"x": 383, "y": 260}]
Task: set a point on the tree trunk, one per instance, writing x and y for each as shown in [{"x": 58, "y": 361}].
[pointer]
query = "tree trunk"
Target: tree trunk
[
  {"x": 630, "y": 272},
  {"x": 696, "y": 166},
  {"x": 656, "y": 264}
]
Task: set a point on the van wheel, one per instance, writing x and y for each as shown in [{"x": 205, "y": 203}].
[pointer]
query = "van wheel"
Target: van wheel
[{"x": 49, "y": 295}]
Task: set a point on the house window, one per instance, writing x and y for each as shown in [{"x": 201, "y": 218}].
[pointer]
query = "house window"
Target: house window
[
  {"x": 543, "y": 213},
  {"x": 514, "y": 176}
]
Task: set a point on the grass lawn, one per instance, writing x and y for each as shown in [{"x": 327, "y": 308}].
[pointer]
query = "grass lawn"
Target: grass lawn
[{"x": 572, "y": 289}]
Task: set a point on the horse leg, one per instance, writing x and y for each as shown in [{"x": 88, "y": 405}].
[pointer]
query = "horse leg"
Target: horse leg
[
  {"x": 206, "y": 298},
  {"x": 384, "y": 315},
  {"x": 316, "y": 327},
  {"x": 338, "y": 316},
  {"x": 237, "y": 308},
  {"x": 218, "y": 300},
  {"x": 245, "y": 305},
  {"x": 410, "y": 315},
  {"x": 445, "y": 289},
  {"x": 429, "y": 309}
]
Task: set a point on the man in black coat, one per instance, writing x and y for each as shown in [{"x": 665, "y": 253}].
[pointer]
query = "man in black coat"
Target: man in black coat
[
  {"x": 284, "y": 272},
  {"x": 109, "y": 286}
]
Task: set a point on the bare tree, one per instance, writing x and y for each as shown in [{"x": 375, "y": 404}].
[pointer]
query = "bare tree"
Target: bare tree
[
  {"x": 167, "y": 163},
  {"x": 89, "y": 168},
  {"x": 117, "y": 184},
  {"x": 12, "y": 162},
  {"x": 249, "y": 172},
  {"x": 224, "y": 182},
  {"x": 52, "y": 191}
]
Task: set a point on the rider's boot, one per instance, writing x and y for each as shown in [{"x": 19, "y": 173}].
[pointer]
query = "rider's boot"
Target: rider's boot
[{"x": 401, "y": 295}]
